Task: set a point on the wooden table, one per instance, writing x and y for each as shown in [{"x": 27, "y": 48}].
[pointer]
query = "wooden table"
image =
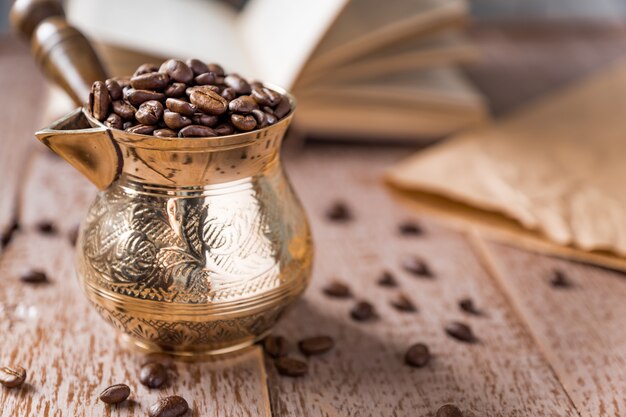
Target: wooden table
[{"x": 543, "y": 351}]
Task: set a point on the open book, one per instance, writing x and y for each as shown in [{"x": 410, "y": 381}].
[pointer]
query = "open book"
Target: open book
[{"x": 359, "y": 68}]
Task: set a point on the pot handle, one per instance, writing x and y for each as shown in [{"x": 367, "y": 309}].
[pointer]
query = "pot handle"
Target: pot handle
[{"x": 62, "y": 51}]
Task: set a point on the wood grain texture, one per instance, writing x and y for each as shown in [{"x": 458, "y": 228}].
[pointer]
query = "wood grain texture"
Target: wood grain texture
[
  {"x": 503, "y": 375},
  {"x": 579, "y": 329},
  {"x": 19, "y": 118}
]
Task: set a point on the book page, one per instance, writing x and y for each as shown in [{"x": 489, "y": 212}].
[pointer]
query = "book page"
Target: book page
[
  {"x": 367, "y": 25},
  {"x": 279, "y": 35},
  {"x": 182, "y": 28}
]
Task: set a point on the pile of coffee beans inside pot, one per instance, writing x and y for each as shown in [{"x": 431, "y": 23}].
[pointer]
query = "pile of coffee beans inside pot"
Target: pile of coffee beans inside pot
[{"x": 185, "y": 99}]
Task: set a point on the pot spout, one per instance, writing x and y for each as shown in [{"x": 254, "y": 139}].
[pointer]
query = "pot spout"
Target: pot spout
[{"x": 90, "y": 150}]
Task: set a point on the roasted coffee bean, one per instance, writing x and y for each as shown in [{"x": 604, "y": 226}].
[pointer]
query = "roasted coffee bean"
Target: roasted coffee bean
[
  {"x": 216, "y": 69},
  {"x": 47, "y": 228},
  {"x": 145, "y": 69},
  {"x": 101, "y": 100},
  {"x": 339, "y": 212},
  {"x": 387, "y": 280},
  {"x": 402, "y": 303},
  {"x": 180, "y": 106},
  {"x": 229, "y": 93},
  {"x": 560, "y": 280},
  {"x": 123, "y": 109},
  {"x": 291, "y": 367},
  {"x": 268, "y": 109},
  {"x": 270, "y": 118},
  {"x": 155, "y": 357},
  {"x": 150, "y": 81},
  {"x": 238, "y": 84},
  {"x": 275, "y": 346},
  {"x": 461, "y": 332},
  {"x": 149, "y": 113},
  {"x": 417, "y": 267},
  {"x": 137, "y": 97},
  {"x": 410, "y": 229},
  {"x": 175, "y": 121},
  {"x": 224, "y": 129},
  {"x": 115, "y": 394},
  {"x": 141, "y": 129},
  {"x": 283, "y": 107},
  {"x": 467, "y": 305},
  {"x": 243, "y": 123},
  {"x": 165, "y": 133},
  {"x": 153, "y": 375},
  {"x": 175, "y": 90},
  {"x": 205, "y": 119},
  {"x": 449, "y": 410},
  {"x": 12, "y": 377},
  {"x": 205, "y": 79},
  {"x": 338, "y": 290},
  {"x": 114, "y": 121},
  {"x": 114, "y": 88},
  {"x": 265, "y": 96},
  {"x": 9, "y": 233},
  {"x": 34, "y": 276},
  {"x": 177, "y": 70},
  {"x": 198, "y": 67},
  {"x": 363, "y": 311},
  {"x": 260, "y": 117},
  {"x": 316, "y": 345},
  {"x": 196, "y": 131},
  {"x": 256, "y": 84},
  {"x": 128, "y": 125},
  {"x": 172, "y": 406},
  {"x": 418, "y": 355},
  {"x": 243, "y": 105},
  {"x": 208, "y": 101},
  {"x": 213, "y": 88},
  {"x": 73, "y": 235},
  {"x": 123, "y": 82}
]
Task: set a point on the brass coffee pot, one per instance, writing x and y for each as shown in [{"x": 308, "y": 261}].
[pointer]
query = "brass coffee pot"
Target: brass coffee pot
[{"x": 193, "y": 246}]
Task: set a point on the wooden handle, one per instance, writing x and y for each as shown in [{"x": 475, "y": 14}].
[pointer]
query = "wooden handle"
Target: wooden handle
[{"x": 63, "y": 53}]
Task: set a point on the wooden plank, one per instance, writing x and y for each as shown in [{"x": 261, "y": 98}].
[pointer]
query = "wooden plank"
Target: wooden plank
[
  {"x": 580, "y": 329},
  {"x": 503, "y": 375},
  {"x": 19, "y": 118},
  {"x": 71, "y": 355}
]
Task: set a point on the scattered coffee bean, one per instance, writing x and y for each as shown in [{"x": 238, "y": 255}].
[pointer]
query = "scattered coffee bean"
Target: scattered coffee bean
[
  {"x": 418, "y": 355},
  {"x": 275, "y": 346},
  {"x": 560, "y": 280},
  {"x": 150, "y": 81},
  {"x": 410, "y": 229},
  {"x": 7, "y": 236},
  {"x": 243, "y": 123},
  {"x": 449, "y": 410},
  {"x": 114, "y": 88},
  {"x": 402, "y": 303},
  {"x": 115, "y": 394},
  {"x": 363, "y": 311},
  {"x": 12, "y": 377},
  {"x": 196, "y": 131},
  {"x": 291, "y": 367},
  {"x": 172, "y": 406},
  {"x": 339, "y": 212},
  {"x": 155, "y": 357},
  {"x": 47, "y": 228},
  {"x": 73, "y": 235},
  {"x": 461, "y": 331},
  {"x": 387, "y": 280},
  {"x": 34, "y": 276},
  {"x": 100, "y": 100},
  {"x": 177, "y": 70},
  {"x": 417, "y": 267},
  {"x": 316, "y": 345},
  {"x": 153, "y": 375},
  {"x": 467, "y": 305},
  {"x": 338, "y": 290}
]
